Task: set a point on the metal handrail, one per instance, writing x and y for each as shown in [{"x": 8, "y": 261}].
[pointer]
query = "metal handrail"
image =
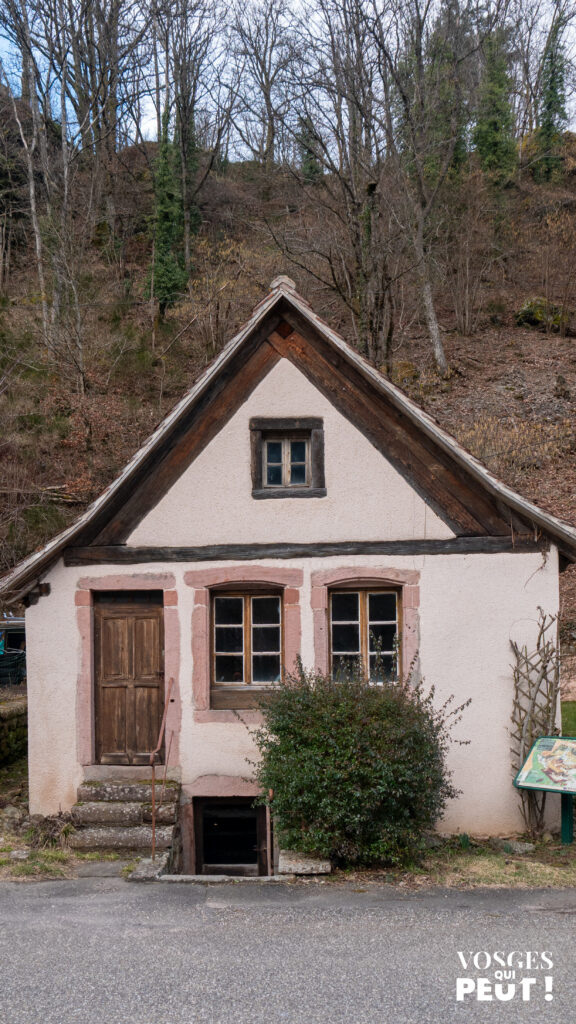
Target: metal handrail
[{"x": 153, "y": 766}]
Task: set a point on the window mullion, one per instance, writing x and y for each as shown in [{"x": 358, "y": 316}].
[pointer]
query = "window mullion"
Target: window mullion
[
  {"x": 364, "y": 627},
  {"x": 265, "y": 463},
  {"x": 247, "y": 639}
]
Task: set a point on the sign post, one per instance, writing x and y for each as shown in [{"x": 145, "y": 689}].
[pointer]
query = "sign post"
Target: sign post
[
  {"x": 551, "y": 768},
  {"x": 567, "y": 817}
]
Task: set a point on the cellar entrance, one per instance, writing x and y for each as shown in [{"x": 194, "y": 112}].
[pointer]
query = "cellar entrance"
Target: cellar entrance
[{"x": 231, "y": 837}]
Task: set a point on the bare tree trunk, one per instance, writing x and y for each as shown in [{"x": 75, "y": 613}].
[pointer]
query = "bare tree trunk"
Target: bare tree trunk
[
  {"x": 428, "y": 299},
  {"x": 29, "y": 147},
  {"x": 158, "y": 100}
]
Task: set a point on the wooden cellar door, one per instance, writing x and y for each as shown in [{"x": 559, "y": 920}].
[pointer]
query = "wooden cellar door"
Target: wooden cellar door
[{"x": 129, "y": 675}]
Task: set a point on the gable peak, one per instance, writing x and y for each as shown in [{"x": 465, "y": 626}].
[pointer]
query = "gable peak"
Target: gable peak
[{"x": 282, "y": 282}]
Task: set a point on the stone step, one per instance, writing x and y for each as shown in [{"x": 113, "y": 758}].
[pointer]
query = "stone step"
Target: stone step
[
  {"x": 122, "y": 813},
  {"x": 119, "y": 791},
  {"x": 138, "y": 837}
]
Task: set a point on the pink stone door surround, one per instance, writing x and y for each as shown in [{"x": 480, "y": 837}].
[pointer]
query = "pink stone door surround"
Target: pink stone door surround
[
  {"x": 204, "y": 582},
  {"x": 84, "y": 600},
  {"x": 406, "y": 581}
]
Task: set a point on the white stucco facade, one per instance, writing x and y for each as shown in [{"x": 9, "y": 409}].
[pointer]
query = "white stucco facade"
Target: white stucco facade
[
  {"x": 471, "y": 607},
  {"x": 465, "y": 609},
  {"x": 211, "y": 503}
]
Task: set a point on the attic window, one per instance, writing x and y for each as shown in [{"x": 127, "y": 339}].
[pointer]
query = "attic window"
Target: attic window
[
  {"x": 287, "y": 458},
  {"x": 286, "y": 462}
]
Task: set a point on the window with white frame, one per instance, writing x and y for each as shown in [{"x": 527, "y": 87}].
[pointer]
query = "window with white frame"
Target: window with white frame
[
  {"x": 364, "y": 629},
  {"x": 286, "y": 462}
]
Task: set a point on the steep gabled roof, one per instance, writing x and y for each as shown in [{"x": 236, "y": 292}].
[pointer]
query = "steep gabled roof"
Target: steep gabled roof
[{"x": 459, "y": 488}]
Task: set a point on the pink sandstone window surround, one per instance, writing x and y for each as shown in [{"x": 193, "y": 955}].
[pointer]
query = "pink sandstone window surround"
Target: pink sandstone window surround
[
  {"x": 365, "y": 578},
  {"x": 209, "y": 581},
  {"x": 84, "y": 600}
]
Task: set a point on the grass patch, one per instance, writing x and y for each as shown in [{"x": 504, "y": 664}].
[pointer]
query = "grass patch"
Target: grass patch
[
  {"x": 43, "y": 864},
  {"x": 569, "y": 718},
  {"x": 500, "y": 870},
  {"x": 477, "y": 865},
  {"x": 35, "y": 869},
  {"x": 55, "y": 856},
  {"x": 98, "y": 855}
]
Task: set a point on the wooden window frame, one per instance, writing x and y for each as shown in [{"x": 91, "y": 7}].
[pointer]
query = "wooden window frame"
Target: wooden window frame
[
  {"x": 230, "y": 695},
  {"x": 309, "y": 429},
  {"x": 364, "y": 623},
  {"x": 285, "y": 440}
]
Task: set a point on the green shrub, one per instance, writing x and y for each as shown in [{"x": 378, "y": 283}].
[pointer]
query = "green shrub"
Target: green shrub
[{"x": 357, "y": 772}]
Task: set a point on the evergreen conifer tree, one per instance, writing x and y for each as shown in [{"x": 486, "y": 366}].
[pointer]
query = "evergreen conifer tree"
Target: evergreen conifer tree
[
  {"x": 493, "y": 134},
  {"x": 168, "y": 276},
  {"x": 310, "y": 164},
  {"x": 552, "y": 112}
]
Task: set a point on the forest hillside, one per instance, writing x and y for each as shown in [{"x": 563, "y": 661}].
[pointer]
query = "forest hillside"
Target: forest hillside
[{"x": 410, "y": 167}]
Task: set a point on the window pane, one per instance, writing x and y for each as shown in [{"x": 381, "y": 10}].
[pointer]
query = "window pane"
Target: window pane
[
  {"x": 274, "y": 476},
  {"x": 266, "y": 638},
  {"x": 382, "y": 637},
  {"x": 266, "y": 610},
  {"x": 273, "y": 451},
  {"x": 228, "y": 610},
  {"x": 382, "y": 607},
  {"x": 298, "y": 451},
  {"x": 298, "y": 473},
  {"x": 344, "y": 664},
  {"x": 345, "y": 607},
  {"x": 229, "y": 668},
  {"x": 381, "y": 669},
  {"x": 266, "y": 668},
  {"x": 345, "y": 638},
  {"x": 229, "y": 639}
]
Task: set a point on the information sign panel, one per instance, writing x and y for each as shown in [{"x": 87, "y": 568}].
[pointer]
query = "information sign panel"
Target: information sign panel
[{"x": 550, "y": 766}]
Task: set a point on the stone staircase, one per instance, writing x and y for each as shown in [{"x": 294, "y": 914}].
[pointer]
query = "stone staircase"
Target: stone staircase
[{"x": 117, "y": 815}]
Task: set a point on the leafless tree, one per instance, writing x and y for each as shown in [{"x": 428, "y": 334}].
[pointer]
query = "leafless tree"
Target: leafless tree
[
  {"x": 530, "y": 25},
  {"x": 264, "y": 46}
]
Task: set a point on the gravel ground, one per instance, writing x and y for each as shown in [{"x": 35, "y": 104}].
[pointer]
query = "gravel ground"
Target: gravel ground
[{"x": 101, "y": 951}]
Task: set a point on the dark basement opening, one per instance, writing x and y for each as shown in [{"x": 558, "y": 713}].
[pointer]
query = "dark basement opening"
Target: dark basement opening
[{"x": 230, "y": 837}]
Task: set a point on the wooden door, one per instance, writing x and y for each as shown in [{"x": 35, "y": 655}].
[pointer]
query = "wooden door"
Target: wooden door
[{"x": 129, "y": 675}]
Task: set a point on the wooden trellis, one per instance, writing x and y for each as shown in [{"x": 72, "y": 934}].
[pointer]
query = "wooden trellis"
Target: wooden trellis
[{"x": 536, "y": 690}]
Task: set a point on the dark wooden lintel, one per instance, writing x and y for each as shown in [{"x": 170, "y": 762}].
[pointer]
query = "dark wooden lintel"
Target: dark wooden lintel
[
  {"x": 122, "y": 555},
  {"x": 268, "y": 423},
  {"x": 289, "y": 492}
]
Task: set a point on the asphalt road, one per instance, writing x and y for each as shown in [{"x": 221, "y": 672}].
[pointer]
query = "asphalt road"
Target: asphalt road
[{"x": 103, "y": 951}]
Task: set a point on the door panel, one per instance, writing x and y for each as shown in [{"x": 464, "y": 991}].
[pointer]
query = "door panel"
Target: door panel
[
  {"x": 147, "y": 718},
  {"x": 147, "y": 651},
  {"x": 129, "y": 676},
  {"x": 115, "y": 640},
  {"x": 112, "y": 718}
]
